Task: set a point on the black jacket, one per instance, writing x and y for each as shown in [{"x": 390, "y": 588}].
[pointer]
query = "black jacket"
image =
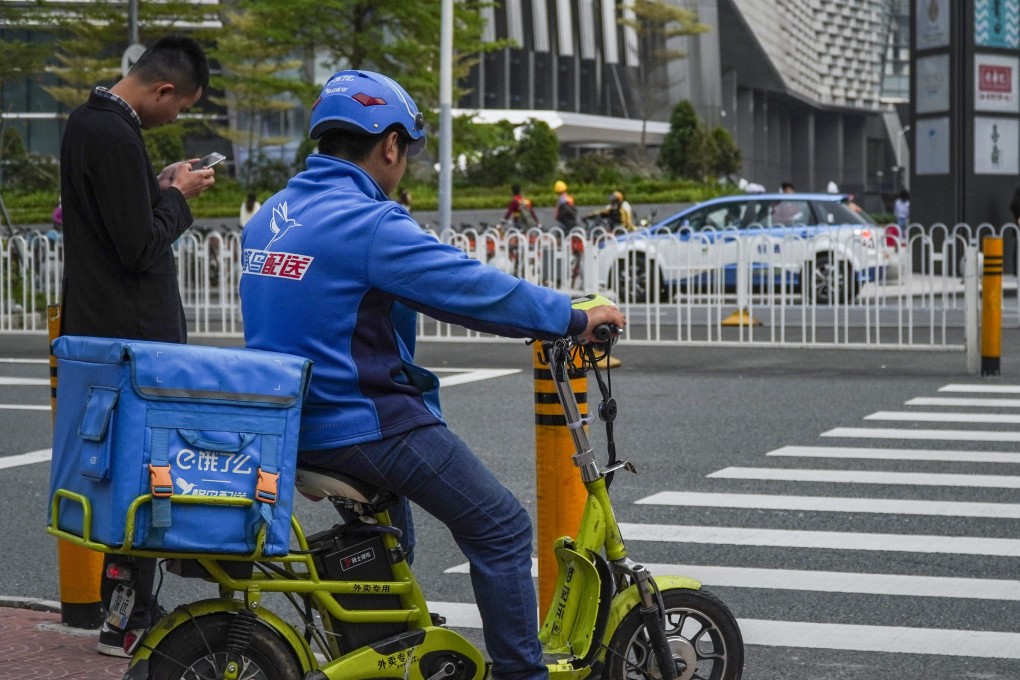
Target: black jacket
[{"x": 119, "y": 277}]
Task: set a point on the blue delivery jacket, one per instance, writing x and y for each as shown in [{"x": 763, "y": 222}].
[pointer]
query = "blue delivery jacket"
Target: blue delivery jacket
[{"x": 335, "y": 271}]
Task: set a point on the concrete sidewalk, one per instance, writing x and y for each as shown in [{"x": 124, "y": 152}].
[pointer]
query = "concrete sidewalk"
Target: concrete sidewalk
[{"x": 35, "y": 644}]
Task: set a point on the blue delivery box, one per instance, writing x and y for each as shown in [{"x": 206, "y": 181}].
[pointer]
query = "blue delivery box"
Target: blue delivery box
[{"x": 197, "y": 446}]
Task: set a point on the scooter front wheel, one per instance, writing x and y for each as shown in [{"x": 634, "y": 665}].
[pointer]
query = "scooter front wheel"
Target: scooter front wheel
[
  {"x": 198, "y": 650},
  {"x": 702, "y": 633}
]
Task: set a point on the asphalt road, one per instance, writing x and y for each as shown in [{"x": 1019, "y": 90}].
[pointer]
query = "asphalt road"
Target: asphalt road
[{"x": 853, "y": 535}]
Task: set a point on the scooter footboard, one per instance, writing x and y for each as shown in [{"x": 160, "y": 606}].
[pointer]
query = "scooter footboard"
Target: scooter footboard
[{"x": 581, "y": 602}]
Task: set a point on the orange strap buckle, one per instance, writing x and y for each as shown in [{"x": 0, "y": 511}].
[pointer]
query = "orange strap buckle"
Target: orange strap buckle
[
  {"x": 265, "y": 490},
  {"x": 160, "y": 484}
]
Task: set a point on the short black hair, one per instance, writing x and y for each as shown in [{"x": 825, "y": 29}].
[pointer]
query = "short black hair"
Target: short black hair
[
  {"x": 175, "y": 59},
  {"x": 516, "y": 189},
  {"x": 354, "y": 147}
]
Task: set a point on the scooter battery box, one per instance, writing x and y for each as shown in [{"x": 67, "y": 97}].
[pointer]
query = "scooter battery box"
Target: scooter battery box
[
  {"x": 195, "y": 445},
  {"x": 362, "y": 558}
]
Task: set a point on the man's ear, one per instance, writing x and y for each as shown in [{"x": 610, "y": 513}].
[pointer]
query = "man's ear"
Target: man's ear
[
  {"x": 164, "y": 90},
  {"x": 391, "y": 147}
]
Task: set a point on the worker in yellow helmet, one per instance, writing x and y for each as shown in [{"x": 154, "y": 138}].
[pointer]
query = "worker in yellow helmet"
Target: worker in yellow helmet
[{"x": 564, "y": 212}]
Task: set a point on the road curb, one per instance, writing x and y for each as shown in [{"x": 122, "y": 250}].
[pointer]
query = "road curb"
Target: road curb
[{"x": 33, "y": 603}]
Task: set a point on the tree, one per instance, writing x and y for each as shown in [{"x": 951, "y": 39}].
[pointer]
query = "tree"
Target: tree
[
  {"x": 256, "y": 78},
  {"x": 727, "y": 158},
  {"x": 538, "y": 151},
  {"x": 394, "y": 37},
  {"x": 89, "y": 40},
  {"x": 20, "y": 58},
  {"x": 657, "y": 24},
  {"x": 681, "y": 142}
]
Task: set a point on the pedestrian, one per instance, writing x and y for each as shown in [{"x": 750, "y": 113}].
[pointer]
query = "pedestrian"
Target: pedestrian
[
  {"x": 249, "y": 207},
  {"x": 564, "y": 212},
  {"x": 787, "y": 188},
  {"x": 520, "y": 212},
  {"x": 120, "y": 221},
  {"x": 58, "y": 216},
  {"x": 333, "y": 240},
  {"x": 404, "y": 199},
  {"x": 901, "y": 209}
]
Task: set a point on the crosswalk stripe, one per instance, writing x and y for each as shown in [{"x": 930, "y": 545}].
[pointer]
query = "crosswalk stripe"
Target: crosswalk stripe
[
  {"x": 897, "y": 454},
  {"x": 29, "y": 458},
  {"x": 936, "y": 417},
  {"x": 964, "y": 401},
  {"x": 828, "y": 540},
  {"x": 25, "y": 407},
  {"x": 930, "y": 435},
  {"x": 23, "y": 381},
  {"x": 834, "y": 504},
  {"x": 989, "y": 389},
  {"x": 935, "y": 641},
  {"x": 466, "y": 375},
  {"x": 828, "y": 581},
  {"x": 870, "y": 477}
]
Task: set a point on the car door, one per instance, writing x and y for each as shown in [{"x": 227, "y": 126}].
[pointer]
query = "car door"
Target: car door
[
  {"x": 714, "y": 231},
  {"x": 787, "y": 235}
]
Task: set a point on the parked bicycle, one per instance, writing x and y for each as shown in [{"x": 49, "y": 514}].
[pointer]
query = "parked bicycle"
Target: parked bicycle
[{"x": 610, "y": 617}]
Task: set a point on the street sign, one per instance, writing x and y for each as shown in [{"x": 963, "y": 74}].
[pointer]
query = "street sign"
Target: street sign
[{"x": 131, "y": 55}]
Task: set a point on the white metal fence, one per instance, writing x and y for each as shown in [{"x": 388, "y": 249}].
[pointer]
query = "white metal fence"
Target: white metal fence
[{"x": 762, "y": 291}]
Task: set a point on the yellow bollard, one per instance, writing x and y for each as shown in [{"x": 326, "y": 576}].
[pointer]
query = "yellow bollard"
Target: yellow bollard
[
  {"x": 79, "y": 568},
  {"x": 991, "y": 306},
  {"x": 559, "y": 490}
]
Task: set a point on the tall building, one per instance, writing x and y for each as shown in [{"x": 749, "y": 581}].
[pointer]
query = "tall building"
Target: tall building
[{"x": 809, "y": 89}]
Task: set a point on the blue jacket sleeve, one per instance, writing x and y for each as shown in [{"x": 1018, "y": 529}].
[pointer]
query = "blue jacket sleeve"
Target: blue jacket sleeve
[{"x": 444, "y": 283}]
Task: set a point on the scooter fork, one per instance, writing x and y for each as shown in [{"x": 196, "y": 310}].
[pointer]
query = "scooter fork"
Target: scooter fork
[{"x": 654, "y": 619}]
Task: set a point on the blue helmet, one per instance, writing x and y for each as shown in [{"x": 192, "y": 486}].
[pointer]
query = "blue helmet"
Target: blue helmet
[{"x": 366, "y": 103}]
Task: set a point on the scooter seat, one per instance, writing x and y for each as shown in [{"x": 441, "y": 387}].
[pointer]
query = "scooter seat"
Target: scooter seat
[{"x": 318, "y": 483}]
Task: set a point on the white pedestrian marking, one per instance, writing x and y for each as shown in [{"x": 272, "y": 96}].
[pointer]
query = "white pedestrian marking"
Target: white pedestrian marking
[
  {"x": 810, "y": 634},
  {"x": 24, "y": 407},
  {"x": 466, "y": 375},
  {"x": 936, "y": 417},
  {"x": 870, "y": 477},
  {"x": 929, "y": 435},
  {"x": 897, "y": 454},
  {"x": 41, "y": 456},
  {"x": 834, "y": 504},
  {"x": 828, "y": 581},
  {"x": 24, "y": 381},
  {"x": 12, "y": 360},
  {"x": 827, "y": 540},
  {"x": 898, "y": 640},
  {"x": 989, "y": 389},
  {"x": 964, "y": 401}
]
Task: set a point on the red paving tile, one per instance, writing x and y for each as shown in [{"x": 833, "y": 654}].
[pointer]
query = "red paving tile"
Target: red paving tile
[{"x": 34, "y": 645}]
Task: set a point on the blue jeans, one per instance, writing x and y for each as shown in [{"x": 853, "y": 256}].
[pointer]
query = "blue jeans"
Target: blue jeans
[{"x": 433, "y": 468}]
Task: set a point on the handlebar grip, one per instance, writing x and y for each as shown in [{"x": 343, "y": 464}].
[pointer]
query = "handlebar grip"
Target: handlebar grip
[{"x": 605, "y": 332}]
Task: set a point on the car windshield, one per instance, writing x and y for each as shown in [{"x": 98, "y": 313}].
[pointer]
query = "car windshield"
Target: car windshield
[{"x": 840, "y": 213}]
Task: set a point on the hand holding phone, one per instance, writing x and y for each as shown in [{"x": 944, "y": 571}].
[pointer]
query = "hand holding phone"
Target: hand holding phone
[{"x": 209, "y": 161}]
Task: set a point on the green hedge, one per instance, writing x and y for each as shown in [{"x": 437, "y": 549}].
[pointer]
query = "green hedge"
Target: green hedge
[{"x": 224, "y": 199}]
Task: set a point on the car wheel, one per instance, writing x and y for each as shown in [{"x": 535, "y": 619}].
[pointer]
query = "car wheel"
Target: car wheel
[{"x": 828, "y": 280}]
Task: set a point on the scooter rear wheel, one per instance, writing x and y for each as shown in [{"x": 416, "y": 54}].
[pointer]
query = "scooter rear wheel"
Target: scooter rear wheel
[
  {"x": 198, "y": 650},
  {"x": 702, "y": 633}
]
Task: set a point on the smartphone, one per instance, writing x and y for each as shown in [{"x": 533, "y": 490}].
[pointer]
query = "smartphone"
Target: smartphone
[{"x": 209, "y": 161}]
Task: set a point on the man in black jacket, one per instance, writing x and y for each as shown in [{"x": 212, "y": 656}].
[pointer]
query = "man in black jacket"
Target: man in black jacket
[{"x": 120, "y": 221}]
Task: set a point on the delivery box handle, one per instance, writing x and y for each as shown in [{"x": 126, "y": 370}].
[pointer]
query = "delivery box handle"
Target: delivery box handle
[{"x": 231, "y": 442}]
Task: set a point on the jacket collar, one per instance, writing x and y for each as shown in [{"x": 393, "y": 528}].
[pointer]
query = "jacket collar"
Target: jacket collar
[{"x": 324, "y": 166}]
